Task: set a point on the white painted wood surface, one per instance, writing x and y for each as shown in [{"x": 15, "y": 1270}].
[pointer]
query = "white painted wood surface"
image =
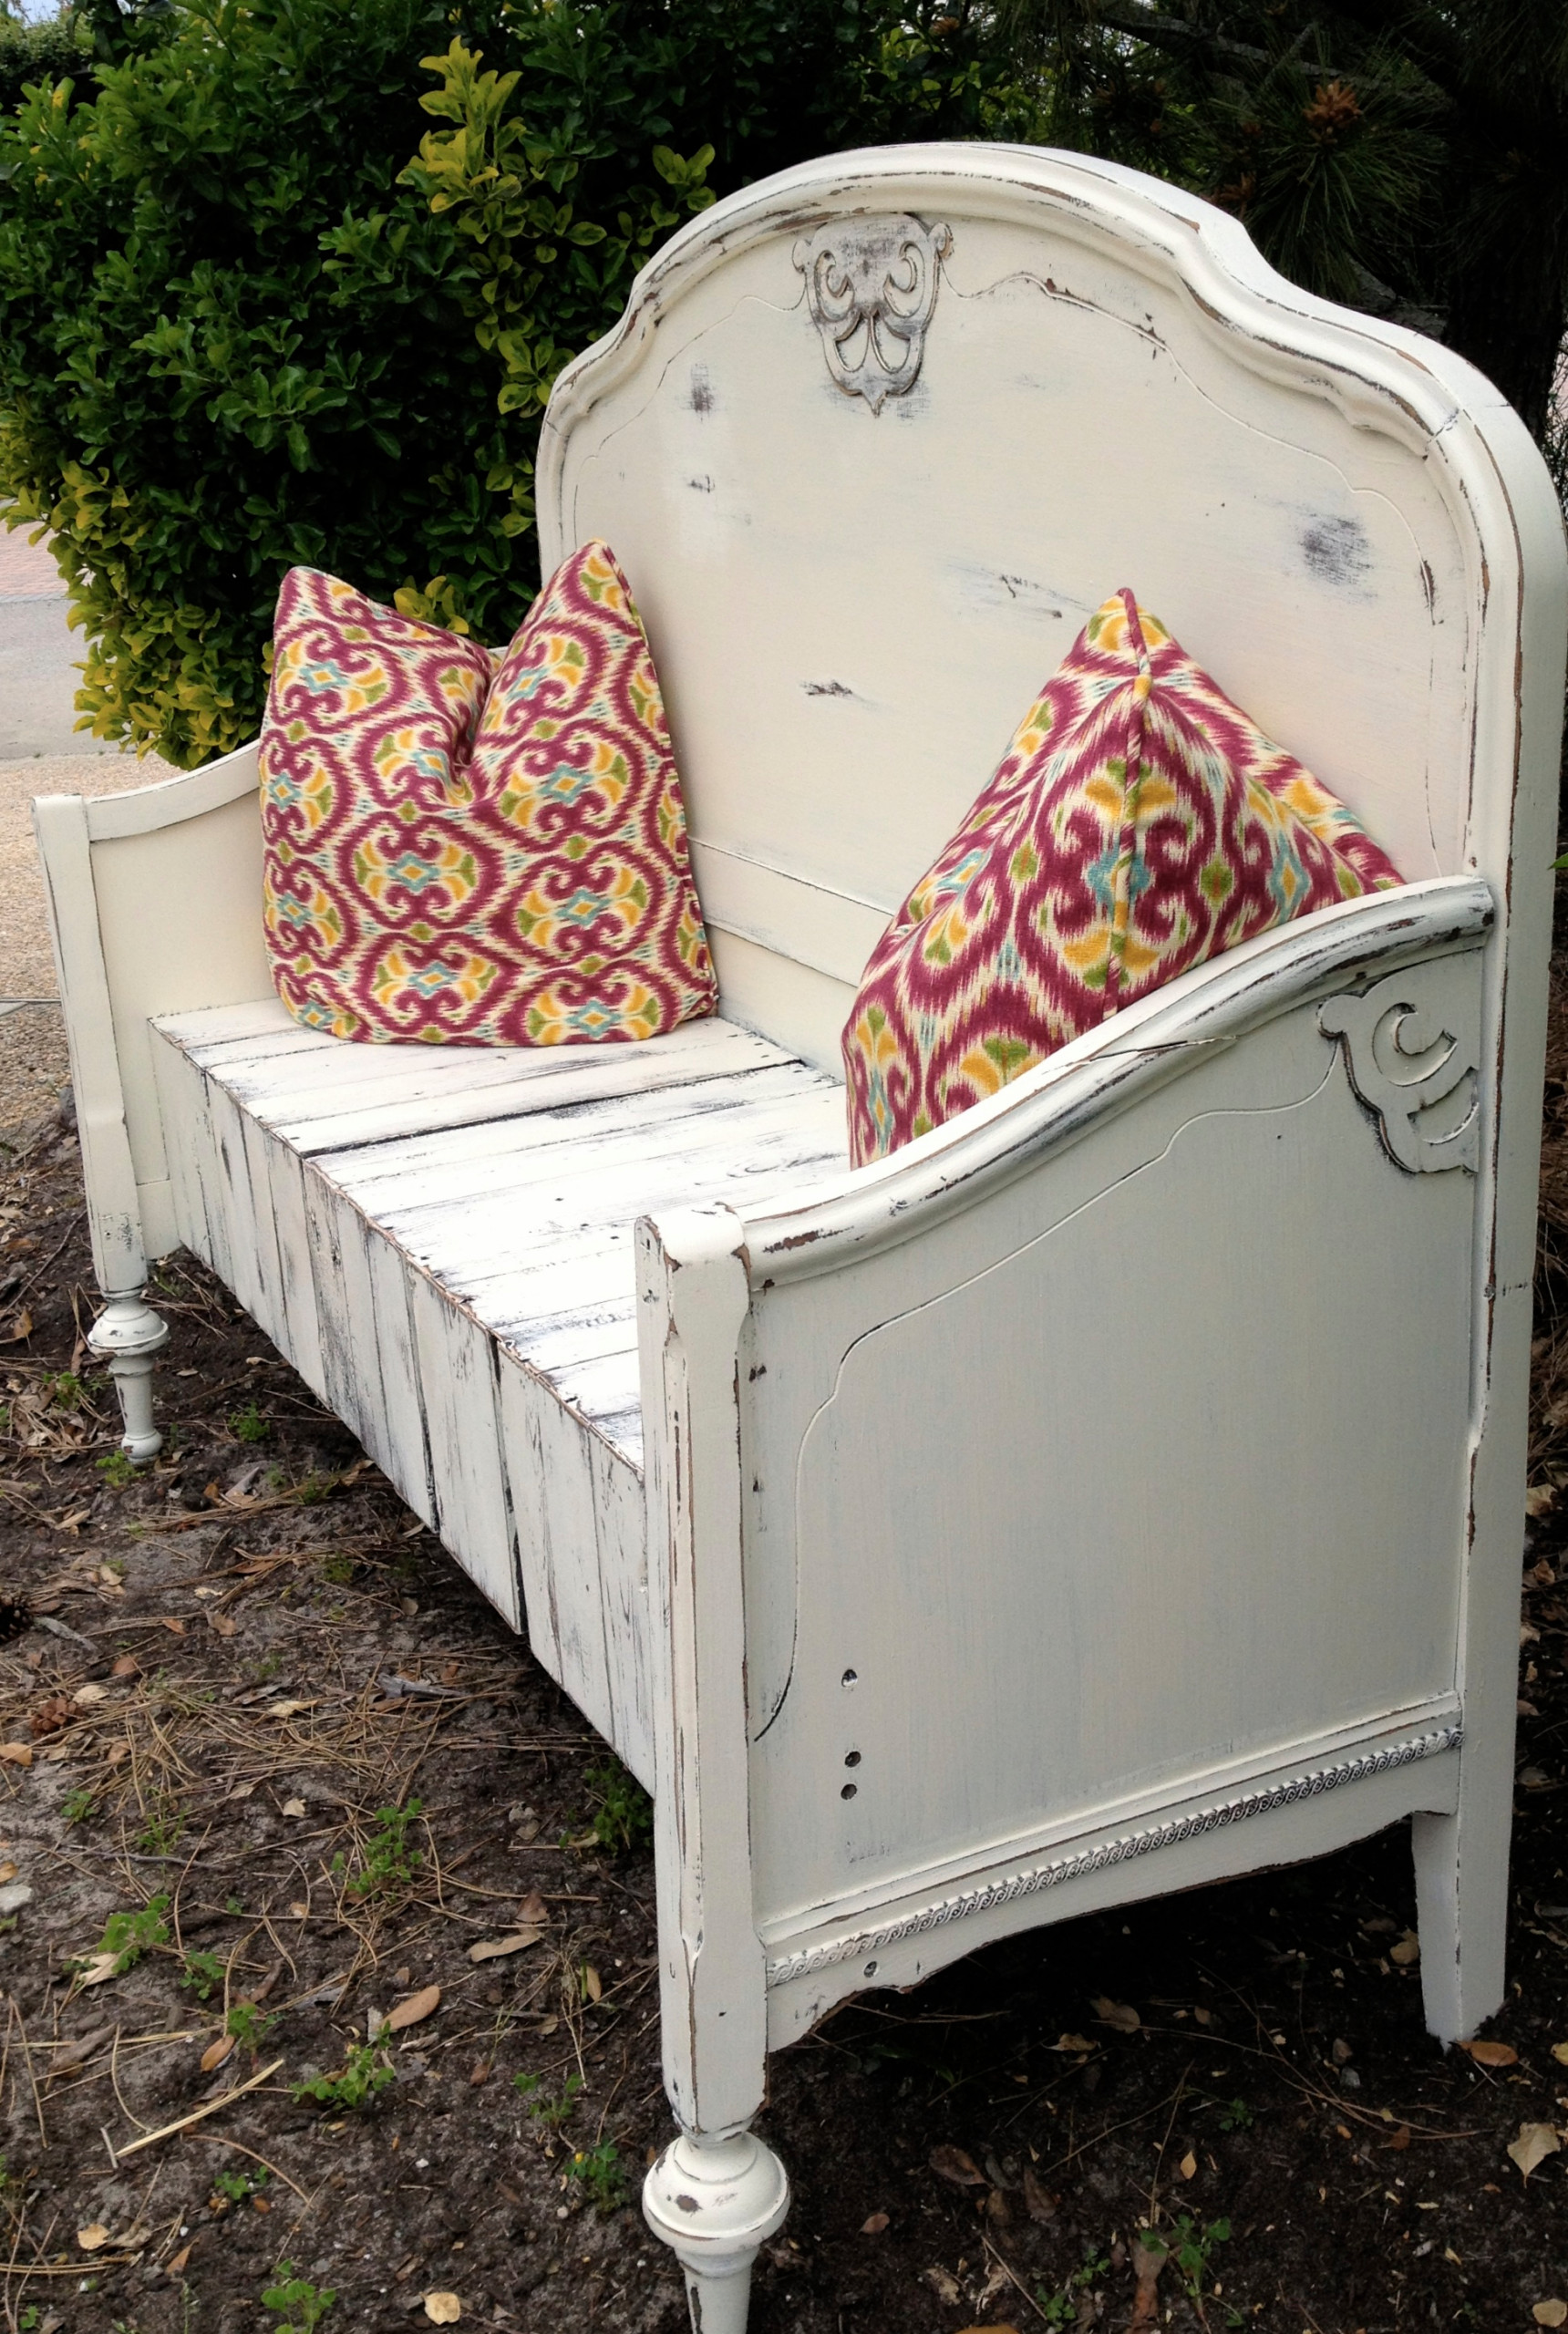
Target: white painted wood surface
[{"x": 1149, "y": 1443}]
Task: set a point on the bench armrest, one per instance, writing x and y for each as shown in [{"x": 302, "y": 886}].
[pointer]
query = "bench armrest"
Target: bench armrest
[{"x": 155, "y": 906}]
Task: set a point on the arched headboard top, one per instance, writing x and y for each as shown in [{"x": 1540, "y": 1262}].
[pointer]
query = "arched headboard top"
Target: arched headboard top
[{"x": 875, "y": 435}]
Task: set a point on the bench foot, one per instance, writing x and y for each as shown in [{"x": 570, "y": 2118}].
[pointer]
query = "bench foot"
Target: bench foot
[
  {"x": 126, "y": 1334},
  {"x": 714, "y": 2203},
  {"x": 1462, "y": 1909}
]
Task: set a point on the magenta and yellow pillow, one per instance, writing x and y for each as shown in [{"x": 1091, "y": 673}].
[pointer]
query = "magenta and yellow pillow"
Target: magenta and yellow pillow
[
  {"x": 472, "y": 849},
  {"x": 1139, "y": 824}
]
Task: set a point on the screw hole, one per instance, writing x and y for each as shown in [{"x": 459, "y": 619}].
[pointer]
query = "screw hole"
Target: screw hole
[
  {"x": 849, "y": 1677},
  {"x": 848, "y": 1792},
  {"x": 870, "y": 1970},
  {"x": 853, "y": 1760}
]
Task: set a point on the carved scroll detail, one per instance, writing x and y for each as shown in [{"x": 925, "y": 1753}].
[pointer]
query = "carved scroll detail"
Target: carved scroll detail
[
  {"x": 1405, "y": 1063},
  {"x": 870, "y": 287},
  {"x": 1311, "y": 1784}
]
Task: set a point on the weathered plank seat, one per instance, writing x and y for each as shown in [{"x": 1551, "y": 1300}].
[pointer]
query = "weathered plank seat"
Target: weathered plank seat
[
  {"x": 1122, "y": 1486},
  {"x": 440, "y": 1239}
]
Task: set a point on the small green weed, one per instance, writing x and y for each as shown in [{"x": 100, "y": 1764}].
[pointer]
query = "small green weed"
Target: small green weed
[
  {"x": 234, "y": 1904},
  {"x": 300, "y": 2306},
  {"x": 1190, "y": 2243},
  {"x": 160, "y": 1835},
  {"x": 1237, "y": 2117},
  {"x": 267, "y": 1669},
  {"x": 600, "y": 2176},
  {"x": 67, "y": 1388},
  {"x": 27, "y": 2317},
  {"x": 250, "y": 2026},
  {"x": 128, "y": 1935},
  {"x": 79, "y": 1804},
  {"x": 235, "y": 2186},
  {"x": 202, "y": 1973},
  {"x": 544, "y": 2109},
  {"x": 5, "y": 2175},
  {"x": 338, "y": 1570},
  {"x": 390, "y": 1861},
  {"x": 250, "y": 1423},
  {"x": 1061, "y": 2309},
  {"x": 117, "y": 1470},
  {"x": 365, "y": 2073},
  {"x": 622, "y": 1812}
]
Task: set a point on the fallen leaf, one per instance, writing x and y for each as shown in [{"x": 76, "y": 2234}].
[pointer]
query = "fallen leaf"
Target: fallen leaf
[
  {"x": 1400, "y": 2140},
  {"x": 593, "y": 1984},
  {"x": 1121, "y": 2014},
  {"x": 480, "y": 2072},
  {"x": 49, "y": 1717},
  {"x": 93, "y": 2237},
  {"x": 173, "y": 1624},
  {"x": 287, "y": 1709},
  {"x": 21, "y": 1327},
  {"x": 118, "y": 1751},
  {"x": 944, "y": 2287},
  {"x": 261, "y": 2204},
  {"x": 1535, "y": 2143},
  {"x": 1558, "y": 2050},
  {"x": 127, "y": 1665},
  {"x": 179, "y": 2259},
  {"x": 1540, "y": 1498},
  {"x": 1551, "y": 2313},
  {"x": 7, "y": 1871},
  {"x": 220, "y": 1622},
  {"x": 874, "y": 2225},
  {"x": 443, "y": 2309},
  {"x": 216, "y": 2052},
  {"x": 241, "y": 1791},
  {"x": 85, "y": 1696},
  {"x": 1078, "y": 2042},
  {"x": 294, "y": 1807},
  {"x": 300, "y": 1910},
  {"x": 16, "y": 1754},
  {"x": 532, "y": 1913},
  {"x": 1408, "y": 1952},
  {"x": 1188, "y": 2165},
  {"x": 417, "y": 2008},
  {"x": 75, "y": 2054},
  {"x": 98, "y": 1967},
  {"x": 1492, "y": 2054},
  {"x": 952, "y": 2163},
  {"x": 496, "y": 1948},
  {"x": 1038, "y": 2202},
  {"x": 1149, "y": 2258}
]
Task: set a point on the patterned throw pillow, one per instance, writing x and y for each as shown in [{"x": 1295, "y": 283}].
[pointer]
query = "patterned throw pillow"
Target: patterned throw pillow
[
  {"x": 471, "y": 848},
  {"x": 1139, "y": 824}
]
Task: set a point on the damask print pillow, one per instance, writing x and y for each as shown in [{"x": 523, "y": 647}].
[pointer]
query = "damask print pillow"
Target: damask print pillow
[
  {"x": 476, "y": 848},
  {"x": 1139, "y": 824}
]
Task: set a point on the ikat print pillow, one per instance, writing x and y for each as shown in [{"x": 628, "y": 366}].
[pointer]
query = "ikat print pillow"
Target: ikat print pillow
[
  {"x": 470, "y": 848},
  {"x": 1139, "y": 824}
]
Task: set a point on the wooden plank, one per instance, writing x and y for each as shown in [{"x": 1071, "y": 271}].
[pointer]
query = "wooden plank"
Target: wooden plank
[
  {"x": 548, "y": 1468},
  {"x": 620, "y": 1525},
  {"x": 286, "y": 1181},
  {"x": 459, "y": 1401}
]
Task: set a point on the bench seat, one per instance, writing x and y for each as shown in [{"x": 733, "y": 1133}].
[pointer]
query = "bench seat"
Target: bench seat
[{"x": 439, "y": 1240}]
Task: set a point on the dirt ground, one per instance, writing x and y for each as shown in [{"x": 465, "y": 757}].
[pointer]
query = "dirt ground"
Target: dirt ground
[{"x": 271, "y": 1772}]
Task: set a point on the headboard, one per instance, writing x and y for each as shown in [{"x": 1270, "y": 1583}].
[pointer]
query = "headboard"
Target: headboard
[{"x": 876, "y": 435}]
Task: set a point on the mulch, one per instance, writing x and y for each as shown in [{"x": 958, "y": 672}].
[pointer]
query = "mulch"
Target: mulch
[{"x": 225, "y": 1670}]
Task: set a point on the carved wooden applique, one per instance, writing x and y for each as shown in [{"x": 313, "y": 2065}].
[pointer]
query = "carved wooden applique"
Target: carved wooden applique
[
  {"x": 870, "y": 287},
  {"x": 1405, "y": 1063}
]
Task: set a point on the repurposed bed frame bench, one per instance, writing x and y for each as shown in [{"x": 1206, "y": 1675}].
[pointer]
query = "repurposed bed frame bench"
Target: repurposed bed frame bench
[{"x": 1122, "y": 1486}]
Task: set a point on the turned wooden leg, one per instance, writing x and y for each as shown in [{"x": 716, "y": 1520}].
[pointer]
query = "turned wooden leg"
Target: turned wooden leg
[
  {"x": 714, "y": 2203},
  {"x": 126, "y": 1334}
]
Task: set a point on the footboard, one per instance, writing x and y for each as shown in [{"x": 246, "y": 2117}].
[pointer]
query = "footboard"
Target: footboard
[
  {"x": 155, "y": 901},
  {"x": 1103, "y": 1481}
]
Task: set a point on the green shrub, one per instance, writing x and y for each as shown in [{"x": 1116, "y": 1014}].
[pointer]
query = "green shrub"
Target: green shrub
[{"x": 254, "y": 311}]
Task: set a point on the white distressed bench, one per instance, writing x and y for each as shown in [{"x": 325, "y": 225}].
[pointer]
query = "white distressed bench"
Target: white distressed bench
[{"x": 1122, "y": 1486}]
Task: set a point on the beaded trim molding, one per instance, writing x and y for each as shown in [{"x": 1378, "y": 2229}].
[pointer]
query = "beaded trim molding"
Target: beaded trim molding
[{"x": 1036, "y": 1878}]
